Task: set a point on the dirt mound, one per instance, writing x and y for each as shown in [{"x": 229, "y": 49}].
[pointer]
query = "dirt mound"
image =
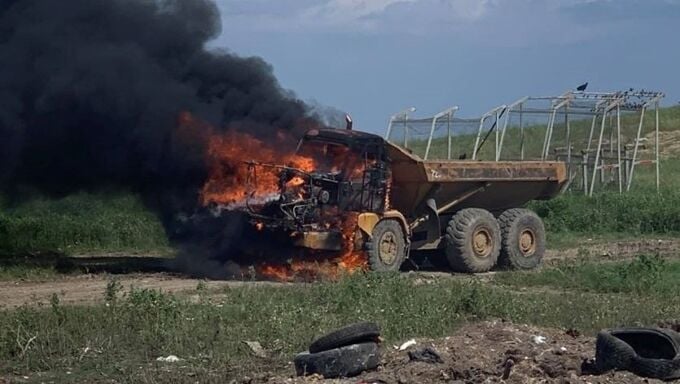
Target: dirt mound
[{"x": 483, "y": 353}]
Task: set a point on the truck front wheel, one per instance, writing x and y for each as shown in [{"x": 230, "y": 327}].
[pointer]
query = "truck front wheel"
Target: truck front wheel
[
  {"x": 473, "y": 241},
  {"x": 387, "y": 246},
  {"x": 523, "y": 239}
]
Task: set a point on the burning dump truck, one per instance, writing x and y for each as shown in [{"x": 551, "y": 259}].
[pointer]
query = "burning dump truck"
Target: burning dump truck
[{"x": 357, "y": 193}]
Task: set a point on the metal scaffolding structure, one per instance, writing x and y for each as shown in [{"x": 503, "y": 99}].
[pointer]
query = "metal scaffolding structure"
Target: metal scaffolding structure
[{"x": 548, "y": 117}]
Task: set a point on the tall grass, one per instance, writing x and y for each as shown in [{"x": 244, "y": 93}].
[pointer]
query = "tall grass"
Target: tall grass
[
  {"x": 80, "y": 223},
  {"x": 123, "y": 333}
]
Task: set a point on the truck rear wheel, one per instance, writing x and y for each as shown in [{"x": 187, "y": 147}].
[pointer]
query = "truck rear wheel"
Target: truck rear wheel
[
  {"x": 473, "y": 240},
  {"x": 387, "y": 246},
  {"x": 523, "y": 239}
]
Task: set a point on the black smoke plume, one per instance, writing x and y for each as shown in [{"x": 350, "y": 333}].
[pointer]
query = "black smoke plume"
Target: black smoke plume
[{"x": 91, "y": 92}]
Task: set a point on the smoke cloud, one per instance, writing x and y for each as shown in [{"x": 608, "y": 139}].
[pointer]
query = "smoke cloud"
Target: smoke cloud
[
  {"x": 96, "y": 93},
  {"x": 91, "y": 90}
]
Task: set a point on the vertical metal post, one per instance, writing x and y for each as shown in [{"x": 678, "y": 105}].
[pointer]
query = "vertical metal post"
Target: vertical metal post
[
  {"x": 548, "y": 134},
  {"x": 584, "y": 165},
  {"x": 656, "y": 146},
  {"x": 448, "y": 130},
  {"x": 626, "y": 165},
  {"x": 611, "y": 136},
  {"x": 597, "y": 154},
  {"x": 405, "y": 134},
  {"x": 568, "y": 139},
  {"x": 521, "y": 133},
  {"x": 498, "y": 153},
  {"x": 618, "y": 146},
  {"x": 479, "y": 136},
  {"x": 635, "y": 148},
  {"x": 429, "y": 140},
  {"x": 592, "y": 130}
]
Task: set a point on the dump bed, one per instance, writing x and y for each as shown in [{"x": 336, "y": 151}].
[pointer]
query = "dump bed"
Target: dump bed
[{"x": 508, "y": 184}]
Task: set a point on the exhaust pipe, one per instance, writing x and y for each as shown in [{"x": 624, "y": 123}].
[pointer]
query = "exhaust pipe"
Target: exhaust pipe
[{"x": 348, "y": 120}]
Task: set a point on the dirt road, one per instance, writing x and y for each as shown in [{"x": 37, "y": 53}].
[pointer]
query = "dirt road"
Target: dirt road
[{"x": 90, "y": 288}]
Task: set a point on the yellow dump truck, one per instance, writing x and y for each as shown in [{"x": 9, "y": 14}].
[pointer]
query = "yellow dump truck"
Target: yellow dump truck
[{"x": 468, "y": 211}]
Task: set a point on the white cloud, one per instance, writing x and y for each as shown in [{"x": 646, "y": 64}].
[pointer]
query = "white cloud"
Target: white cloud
[
  {"x": 351, "y": 9},
  {"x": 513, "y": 22}
]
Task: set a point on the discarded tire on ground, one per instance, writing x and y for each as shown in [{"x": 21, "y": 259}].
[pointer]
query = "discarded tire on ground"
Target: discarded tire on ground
[
  {"x": 523, "y": 239},
  {"x": 612, "y": 353},
  {"x": 473, "y": 240},
  {"x": 387, "y": 246},
  {"x": 351, "y": 334},
  {"x": 346, "y": 361},
  {"x": 646, "y": 352}
]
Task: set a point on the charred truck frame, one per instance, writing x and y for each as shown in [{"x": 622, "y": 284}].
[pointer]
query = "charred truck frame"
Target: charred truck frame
[{"x": 470, "y": 210}]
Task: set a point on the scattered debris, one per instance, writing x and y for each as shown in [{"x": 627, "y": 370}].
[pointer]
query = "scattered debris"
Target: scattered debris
[
  {"x": 425, "y": 355},
  {"x": 507, "y": 368},
  {"x": 573, "y": 332},
  {"x": 539, "y": 339},
  {"x": 407, "y": 344},
  {"x": 168, "y": 359},
  {"x": 256, "y": 349}
]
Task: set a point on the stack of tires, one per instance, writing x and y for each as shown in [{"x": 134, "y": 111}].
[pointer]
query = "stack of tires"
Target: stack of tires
[{"x": 344, "y": 353}]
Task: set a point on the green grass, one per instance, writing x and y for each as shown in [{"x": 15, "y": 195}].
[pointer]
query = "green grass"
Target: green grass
[
  {"x": 81, "y": 223},
  {"x": 631, "y": 213},
  {"x": 647, "y": 275},
  {"x": 119, "y": 222},
  {"x": 124, "y": 335}
]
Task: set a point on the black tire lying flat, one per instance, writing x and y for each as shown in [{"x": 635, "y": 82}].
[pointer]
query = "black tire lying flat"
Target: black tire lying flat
[
  {"x": 351, "y": 334},
  {"x": 523, "y": 235},
  {"x": 646, "y": 352},
  {"x": 473, "y": 241},
  {"x": 656, "y": 368},
  {"x": 612, "y": 353},
  {"x": 340, "y": 362},
  {"x": 387, "y": 246}
]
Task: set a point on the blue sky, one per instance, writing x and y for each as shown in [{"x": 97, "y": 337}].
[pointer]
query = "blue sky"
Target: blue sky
[{"x": 372, "y": 58}]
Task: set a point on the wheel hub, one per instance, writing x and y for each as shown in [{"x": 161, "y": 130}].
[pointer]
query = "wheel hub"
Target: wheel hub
[
  {"x": 482, "y": 242},
  {"x": 527, "y": 242},
  {"x": 388, "y": 248}
]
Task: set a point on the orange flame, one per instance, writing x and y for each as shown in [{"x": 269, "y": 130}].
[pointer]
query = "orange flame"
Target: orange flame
[
  {"x": 228, "y": 180},
  {"x": 228, "y": 183},
  {"x": 348, "y": 261}
]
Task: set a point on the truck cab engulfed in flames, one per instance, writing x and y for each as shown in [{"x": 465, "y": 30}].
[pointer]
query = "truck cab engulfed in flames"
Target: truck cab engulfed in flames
[{"x": 351, "y": 175}]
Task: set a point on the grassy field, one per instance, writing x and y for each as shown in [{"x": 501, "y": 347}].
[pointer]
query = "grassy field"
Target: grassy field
[
  {"x": 121, "y": 338},
  {"x": 81, "y": 223},
  {"x": 119, "y": 221}
]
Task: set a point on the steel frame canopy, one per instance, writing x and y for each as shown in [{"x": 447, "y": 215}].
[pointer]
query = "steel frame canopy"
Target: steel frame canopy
[{"x": 598, "y": 105}]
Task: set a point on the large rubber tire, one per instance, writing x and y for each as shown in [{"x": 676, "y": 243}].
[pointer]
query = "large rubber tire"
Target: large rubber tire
[
  {"x": 612, "y": 353},
  {"x": 656, "y": 368},
  {"x": 646, "y": 352},
  {"x": 351, "y": 334},
  {"x": 523, "y": 235},
  {"x": 387, "y": 247},
  {"x": 341, "y": 362},
  {"x": 473, "y": 241}
]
